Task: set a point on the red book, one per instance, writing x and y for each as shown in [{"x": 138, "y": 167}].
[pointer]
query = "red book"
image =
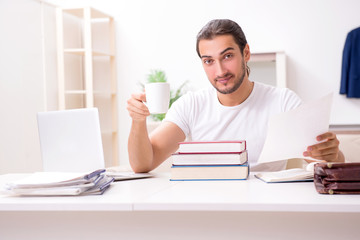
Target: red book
[{"x": 212, "y": 147}]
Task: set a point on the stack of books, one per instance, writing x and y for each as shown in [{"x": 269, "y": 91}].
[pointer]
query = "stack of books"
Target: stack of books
[
  {"x": 220, "y": 160},
  {"x": 60, "y": 184},
  {"x": 337, "y": 178}
]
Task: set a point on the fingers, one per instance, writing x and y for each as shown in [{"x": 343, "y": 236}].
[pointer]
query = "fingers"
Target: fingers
[
  {"x": 139, "y": 96},
  {"x": 327, "y": 150},
  {"x": 328, "y": 144},
  {"x": 136, "y": 108},
  {"x": 327, "y": 135}
]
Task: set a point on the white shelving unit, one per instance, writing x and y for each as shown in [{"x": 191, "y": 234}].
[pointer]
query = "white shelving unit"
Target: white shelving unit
[
  {"x": 271, "y": 67},
  {"x": 86, "y": 69}
]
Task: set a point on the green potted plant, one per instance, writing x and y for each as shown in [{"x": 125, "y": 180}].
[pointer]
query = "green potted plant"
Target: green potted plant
[{"x": 160, "y": 76}]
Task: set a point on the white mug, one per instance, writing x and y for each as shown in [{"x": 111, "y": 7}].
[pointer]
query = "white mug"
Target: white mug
[{"x": 157, "y": 97}]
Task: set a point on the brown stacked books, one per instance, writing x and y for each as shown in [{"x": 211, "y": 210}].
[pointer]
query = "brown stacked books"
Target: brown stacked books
[{"x": 337, "y": 178}]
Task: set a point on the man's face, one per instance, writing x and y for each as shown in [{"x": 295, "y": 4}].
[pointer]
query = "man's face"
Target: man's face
[{"x": 223, "y": 63}]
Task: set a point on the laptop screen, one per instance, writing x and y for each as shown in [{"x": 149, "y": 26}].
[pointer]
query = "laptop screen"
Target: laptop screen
[{"x": 70, "y": 140}]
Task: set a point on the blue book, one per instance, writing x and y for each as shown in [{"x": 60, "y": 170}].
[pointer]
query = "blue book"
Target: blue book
[{"x": 209, "y": 172}]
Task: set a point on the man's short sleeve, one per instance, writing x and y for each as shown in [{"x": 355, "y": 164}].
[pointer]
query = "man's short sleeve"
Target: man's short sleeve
[
  {"x": 179, "y": 113},
  {"x": 290, "y": 100}
]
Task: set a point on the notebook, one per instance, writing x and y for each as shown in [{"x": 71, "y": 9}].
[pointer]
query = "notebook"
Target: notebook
[{"x": 70, "y": 140}]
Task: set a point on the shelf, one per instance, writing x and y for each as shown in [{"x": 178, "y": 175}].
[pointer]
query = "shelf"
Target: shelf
[
  {"x": 85, "y": 78},
  {"x": 271, "y": 60},
  {"x": 79, "y": 12},
  {"x": 105, "y": 93},
  {"x": 345, "y": 128},
  {"x": 263, "y": 57},
  {"x": 81, "y": 51},
  {"x": 75, "y": 92}
]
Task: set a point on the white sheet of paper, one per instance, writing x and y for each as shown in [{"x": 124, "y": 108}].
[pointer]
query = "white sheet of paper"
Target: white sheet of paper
[{"x": 290, "y": 133}]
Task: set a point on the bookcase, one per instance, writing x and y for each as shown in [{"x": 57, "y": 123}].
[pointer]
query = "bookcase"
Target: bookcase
[
  {"x": 86, "y": 68},
  {"x": 269, "y": 68}
]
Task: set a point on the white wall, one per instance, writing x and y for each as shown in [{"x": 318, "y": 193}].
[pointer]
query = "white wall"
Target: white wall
[
  {"x": 21, "y": 92},
  {"x": 161, "y": 34}
]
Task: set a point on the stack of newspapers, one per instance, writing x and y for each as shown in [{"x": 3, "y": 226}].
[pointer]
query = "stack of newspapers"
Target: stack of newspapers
[
  {"x": 60, "y": 184},
  {"x": 216, "y": 160}
]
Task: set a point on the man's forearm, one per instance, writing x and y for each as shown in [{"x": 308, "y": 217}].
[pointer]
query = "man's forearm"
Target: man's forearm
[{"x": 140, "y": 148}]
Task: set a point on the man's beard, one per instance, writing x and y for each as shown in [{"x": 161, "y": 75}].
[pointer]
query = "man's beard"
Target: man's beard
[{"x": 237, "y": 84}]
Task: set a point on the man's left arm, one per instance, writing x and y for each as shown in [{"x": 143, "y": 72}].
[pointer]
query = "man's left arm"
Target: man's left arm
[{"x": 327, "y": 149}]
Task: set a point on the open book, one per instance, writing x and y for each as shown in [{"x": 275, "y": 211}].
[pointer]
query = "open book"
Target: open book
[{"x": 288, "y": 175}]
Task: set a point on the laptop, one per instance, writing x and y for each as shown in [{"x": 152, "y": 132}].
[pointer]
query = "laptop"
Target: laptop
[{"x": 70, "y": 140}]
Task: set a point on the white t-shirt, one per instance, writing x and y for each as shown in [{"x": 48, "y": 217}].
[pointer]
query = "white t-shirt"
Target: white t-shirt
[{"x": 202, "y": 117}]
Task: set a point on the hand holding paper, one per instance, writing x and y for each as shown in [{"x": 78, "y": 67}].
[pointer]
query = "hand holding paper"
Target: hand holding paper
[
  {"x": 327, "y": 150},
  {"x": 290, "y": 133}
]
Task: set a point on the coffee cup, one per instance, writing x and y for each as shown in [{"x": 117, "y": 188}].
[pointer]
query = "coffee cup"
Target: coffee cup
[{"x": 157, "y": 97}]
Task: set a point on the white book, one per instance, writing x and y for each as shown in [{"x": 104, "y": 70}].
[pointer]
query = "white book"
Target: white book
[
  {"x": 209, "y": 158},
  {"x": 212, "y": 146},
  {"x": 209, "y": 172}
]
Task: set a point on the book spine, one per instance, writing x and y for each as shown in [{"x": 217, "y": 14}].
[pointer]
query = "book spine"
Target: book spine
[{"x": 229, "y": 158}]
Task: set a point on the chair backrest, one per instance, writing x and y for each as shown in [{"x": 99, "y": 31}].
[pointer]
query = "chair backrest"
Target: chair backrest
[{"x": 350, "y": 146}]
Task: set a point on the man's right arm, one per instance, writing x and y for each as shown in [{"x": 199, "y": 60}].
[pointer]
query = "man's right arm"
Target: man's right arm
[{"x": 146, "y": 153}]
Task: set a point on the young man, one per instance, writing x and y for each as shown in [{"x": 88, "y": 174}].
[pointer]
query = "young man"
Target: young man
[{"x": 233, "y": 109}]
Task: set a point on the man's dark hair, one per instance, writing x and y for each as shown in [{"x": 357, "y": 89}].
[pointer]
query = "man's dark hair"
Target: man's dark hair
[{"x": 218, "y": 27}]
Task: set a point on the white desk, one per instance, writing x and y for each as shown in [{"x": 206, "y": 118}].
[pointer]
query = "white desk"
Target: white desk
[{"x": 157, "y": 208}]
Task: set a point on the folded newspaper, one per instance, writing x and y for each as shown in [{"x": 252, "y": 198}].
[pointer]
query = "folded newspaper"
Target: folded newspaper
[{"x": 60, "y": 184}]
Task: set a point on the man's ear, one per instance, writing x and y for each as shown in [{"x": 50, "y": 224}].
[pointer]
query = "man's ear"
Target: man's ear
[{"x": 247, "y": 53}]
